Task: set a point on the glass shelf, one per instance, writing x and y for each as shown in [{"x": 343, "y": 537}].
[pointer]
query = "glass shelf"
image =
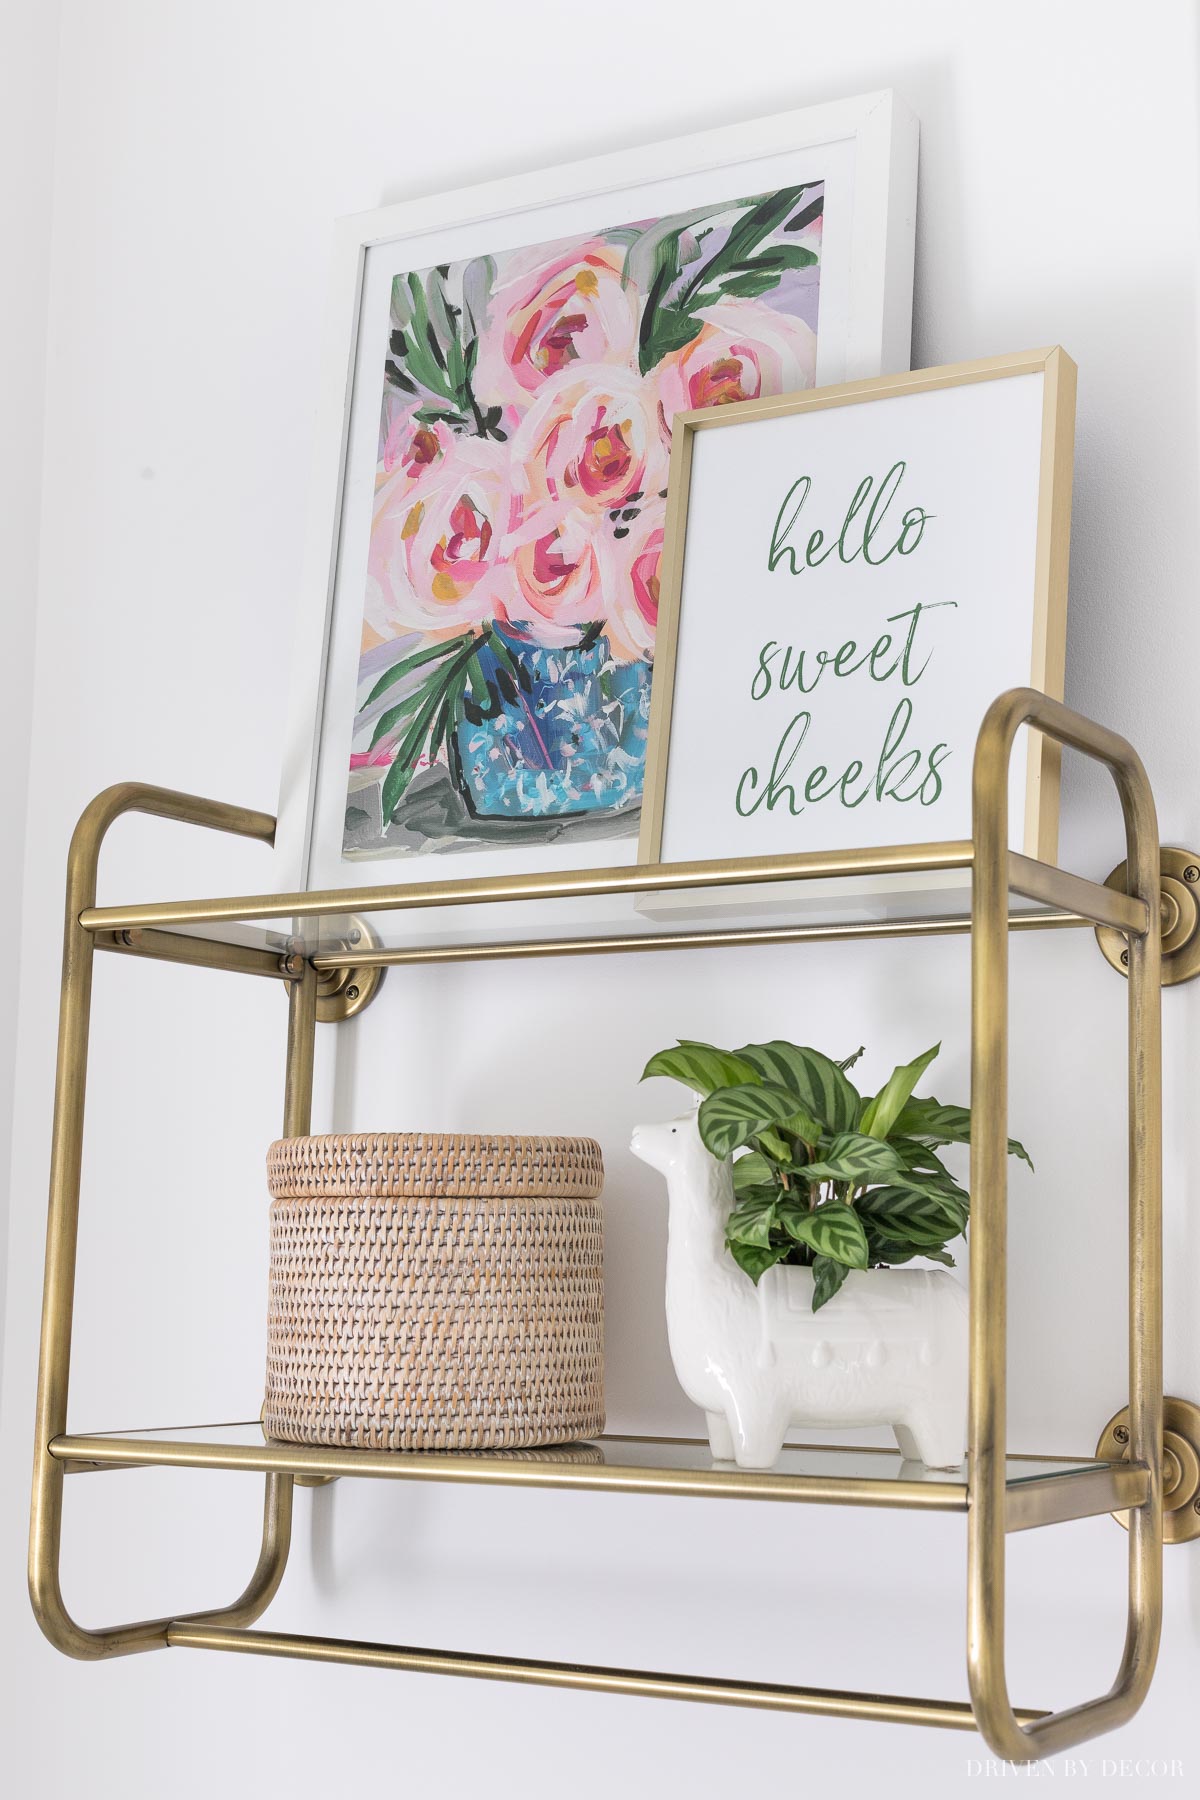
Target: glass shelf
[
  {"x": 1041, "y": 1490},
  {"x": 916, "y": 890}
]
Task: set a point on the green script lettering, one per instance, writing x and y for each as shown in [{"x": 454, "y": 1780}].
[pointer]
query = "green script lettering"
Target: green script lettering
[{"x": 851, "y": 541}]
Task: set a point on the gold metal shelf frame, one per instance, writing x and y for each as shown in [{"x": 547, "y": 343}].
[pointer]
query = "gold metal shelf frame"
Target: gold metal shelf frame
[{"x": 996, "y": 1492}]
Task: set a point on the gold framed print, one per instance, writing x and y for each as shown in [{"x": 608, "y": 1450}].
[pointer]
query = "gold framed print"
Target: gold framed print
[{"x": 850, "y": 576}]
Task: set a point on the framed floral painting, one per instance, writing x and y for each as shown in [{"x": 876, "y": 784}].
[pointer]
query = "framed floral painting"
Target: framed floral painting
[{"x": 478, "y": 652}]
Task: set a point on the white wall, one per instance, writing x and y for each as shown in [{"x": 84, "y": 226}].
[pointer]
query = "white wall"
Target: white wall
[
  {"x": 201, "y": 153},
  {"x": 28, "y": 103}
]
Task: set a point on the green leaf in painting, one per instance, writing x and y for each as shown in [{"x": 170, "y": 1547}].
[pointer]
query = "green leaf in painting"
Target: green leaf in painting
[
  {"x": 404, "y": 760},
  {"x": 784, "y": 256},
  {"x": 664, "y": 271},
  {"x": 449, "y": 713},
  {"x": 731, "y": 1115},
  {"x": 882, "y": 1112},
  {"x": 819, "y": 1086},
  {"x": 751, "y": 286},
  {"x": 387, "y": 721},
  {"x": 673, "y": 329},
  {"x": 754, "y": 226},
  {"x": 645, "y": 259},
  {"x": 807, "y": 214},
  {"x": 398, "y": 670},
  {"x": 702, "y": 1067},
  {"x": 426, "y": 694}
]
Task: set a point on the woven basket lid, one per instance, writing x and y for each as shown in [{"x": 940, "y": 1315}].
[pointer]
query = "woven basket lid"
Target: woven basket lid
[{"x": 383, "y": 1164}]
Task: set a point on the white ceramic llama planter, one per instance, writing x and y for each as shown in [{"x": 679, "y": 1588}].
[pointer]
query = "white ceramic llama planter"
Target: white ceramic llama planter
[{"x": 890, "y": 1348}]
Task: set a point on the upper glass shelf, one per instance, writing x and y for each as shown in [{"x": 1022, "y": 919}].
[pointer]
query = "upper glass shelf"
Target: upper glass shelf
[{"x": 919, "y": 889}]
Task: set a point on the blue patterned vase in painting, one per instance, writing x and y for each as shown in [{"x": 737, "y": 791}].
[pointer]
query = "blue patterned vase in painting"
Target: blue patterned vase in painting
[{"x": 558, "y": 733}]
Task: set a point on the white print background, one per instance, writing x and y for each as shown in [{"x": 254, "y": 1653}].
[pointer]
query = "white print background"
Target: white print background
[
  {"x": 972, "y": 456},
  {"x": 201, "y": 152}
]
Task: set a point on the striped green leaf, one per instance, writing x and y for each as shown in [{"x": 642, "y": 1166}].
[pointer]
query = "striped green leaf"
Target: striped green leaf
[
  {"x": 730, "y": 1115},
  {"x": 804, "y": 1126},
  {"x": 904, "y": 1216},
  {"x": 895, "y": 1255},
  {"x": 916, "y": 1155},
  {"x": 938, "y": 1124},
  {"x": 819, "y": 1087},
  {"x": 833, "y": 1229},
  {"x": 882, "y": 1250},
  {"x": 755, "y": 1259},
  {"x": 828, "y": 1277},
  {"x": 852, "y": 1156},
  {"x": 938, "y": 1183},
  {"x": 752, "y": 1170},
  {"x": 775, "y": 1145},
  {"x": 701, "y": 1067},
  {"x": 753, "y": 1217}
]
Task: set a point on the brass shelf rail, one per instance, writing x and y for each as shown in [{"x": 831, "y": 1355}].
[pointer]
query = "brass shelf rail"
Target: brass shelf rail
[{"x": 996, "y": 1493}]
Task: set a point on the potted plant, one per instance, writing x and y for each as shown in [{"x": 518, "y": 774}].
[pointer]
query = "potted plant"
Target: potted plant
[{"x": 786, "y": 1180}]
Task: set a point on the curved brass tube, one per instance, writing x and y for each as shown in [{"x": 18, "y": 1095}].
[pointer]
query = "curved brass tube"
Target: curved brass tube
[
  {"x": 45, "y": 1534},
  {"x": 989, "y": 1209}
]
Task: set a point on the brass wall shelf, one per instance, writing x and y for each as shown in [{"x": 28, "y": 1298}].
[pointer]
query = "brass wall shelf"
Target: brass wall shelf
[{"x": 306, "y": 940}]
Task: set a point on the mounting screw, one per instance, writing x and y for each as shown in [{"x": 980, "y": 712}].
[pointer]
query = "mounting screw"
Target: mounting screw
[
  {"x": 1124, "y": 959},
  {"x": 1121, "y": 1433},
  {"x": 1196, "y": 1504},
  {"x": 352, "y": 992},
  {"x": 356, "y": 934},
  {"x": 1192, "y": 872}
]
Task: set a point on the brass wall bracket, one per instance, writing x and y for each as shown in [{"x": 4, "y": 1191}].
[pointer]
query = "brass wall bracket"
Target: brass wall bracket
[
  {"x": 1180, "y": 911},
  {"x": 1181, "y": 1466},
  {"x": 348, "y": 989}
]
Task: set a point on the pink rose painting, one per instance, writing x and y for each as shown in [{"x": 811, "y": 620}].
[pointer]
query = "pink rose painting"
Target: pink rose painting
[{"x": 520, "y": 498}]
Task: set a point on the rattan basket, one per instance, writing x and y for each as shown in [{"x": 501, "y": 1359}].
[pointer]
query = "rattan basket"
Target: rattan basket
[{"x": 435, "y": 1292}]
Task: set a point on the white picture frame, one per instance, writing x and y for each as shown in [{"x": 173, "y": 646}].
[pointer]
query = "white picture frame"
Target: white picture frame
[{"x": 863, "y": 149}]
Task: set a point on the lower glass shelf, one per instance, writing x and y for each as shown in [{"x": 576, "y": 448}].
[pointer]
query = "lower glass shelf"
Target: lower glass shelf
[{"x": 1041, "y": 1490}]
